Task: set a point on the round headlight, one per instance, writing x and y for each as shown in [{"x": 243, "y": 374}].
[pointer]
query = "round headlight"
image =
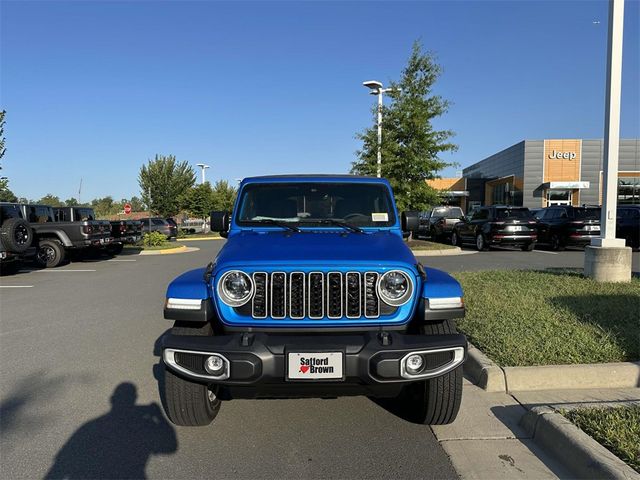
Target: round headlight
[
  {"x": 395, "y": 288},
  {"x": 235, "y": 288}
]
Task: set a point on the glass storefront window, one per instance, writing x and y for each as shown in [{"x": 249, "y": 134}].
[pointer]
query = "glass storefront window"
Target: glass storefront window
[{"x": 628, "y": 190}]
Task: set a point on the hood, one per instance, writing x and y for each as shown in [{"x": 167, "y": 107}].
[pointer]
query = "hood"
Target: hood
[{"x": 315, "y": 248}]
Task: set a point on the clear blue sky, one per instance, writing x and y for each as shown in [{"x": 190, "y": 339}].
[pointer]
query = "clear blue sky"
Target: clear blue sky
[{"x": 94, "y": 89}]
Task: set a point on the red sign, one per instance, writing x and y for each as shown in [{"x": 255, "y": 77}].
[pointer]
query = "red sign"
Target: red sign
[{"x": 127, "y": 208}]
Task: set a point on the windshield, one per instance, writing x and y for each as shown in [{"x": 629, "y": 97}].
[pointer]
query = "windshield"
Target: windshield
[
  {"x": 361, "y": 204},
  {"x": 522, "y": 213},
  {"x": 448, "y": 212},
  {"x": 587, "y": 213}
]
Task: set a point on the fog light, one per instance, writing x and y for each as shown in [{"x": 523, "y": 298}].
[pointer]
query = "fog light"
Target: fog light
[
  {"x": 414, "y": 364},
  {"x": 214, "y": 365}
]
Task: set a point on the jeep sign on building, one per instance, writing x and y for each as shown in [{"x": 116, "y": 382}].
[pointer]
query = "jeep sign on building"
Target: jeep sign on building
[{"x": 540, "y": 173}]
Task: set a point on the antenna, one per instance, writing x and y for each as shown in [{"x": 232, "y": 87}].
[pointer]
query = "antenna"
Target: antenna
[{"x": 80, "y": 192}]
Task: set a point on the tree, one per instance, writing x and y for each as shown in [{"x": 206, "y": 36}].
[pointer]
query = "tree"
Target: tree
[
  {"x": 52, "y": 200},
  {"x": 199, "y": 200},
  {"x": 410, "y": 145},
  {"x": 163, "y": 182},
  {"x": 224, "y": 196},
  {"x": 105, "y": 206},
  {"x": 6, "y": 195},
  {"x": 71, "y": 202}
]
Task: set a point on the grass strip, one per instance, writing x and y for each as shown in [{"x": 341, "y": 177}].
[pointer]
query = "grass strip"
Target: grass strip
[
  {"x": 616, "y": 428},
  {"x": 425, "y": 245},
  {"x": 524, "y": 318}
]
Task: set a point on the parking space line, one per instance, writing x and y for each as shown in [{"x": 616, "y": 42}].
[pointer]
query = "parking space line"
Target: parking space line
[
  {"x": 62, "y": 271},
  {"x": 544, "y": 251},
  {"x": 121, "y": 260},
  {"x": 16, "y": 286}
]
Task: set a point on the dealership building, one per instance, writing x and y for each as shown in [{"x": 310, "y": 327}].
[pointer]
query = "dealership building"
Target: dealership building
[{"x": 540, "y": 173}]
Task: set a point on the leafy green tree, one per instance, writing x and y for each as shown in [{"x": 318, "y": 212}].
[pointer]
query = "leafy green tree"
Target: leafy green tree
[
  {"x": 163, "y": 184},
  {"x": 411, "y": 147},
  {"x": 71, "y": 202},
  {"x": 199, "y": 200},
  {"x": 6, "y": 195},
  {"x": 52, "y": 200},
  {"x": 105, "y": 206},
  {"x": 224, "y": 196}
]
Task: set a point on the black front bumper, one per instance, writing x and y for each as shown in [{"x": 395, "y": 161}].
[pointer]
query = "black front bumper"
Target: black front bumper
[{"x": 259, "y": 360}]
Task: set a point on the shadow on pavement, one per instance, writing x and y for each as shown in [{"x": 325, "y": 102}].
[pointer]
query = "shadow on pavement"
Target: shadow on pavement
[{"x": 119, "y": 443}]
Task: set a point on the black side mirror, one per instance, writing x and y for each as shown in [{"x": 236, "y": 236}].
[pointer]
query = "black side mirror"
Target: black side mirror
[
  {"x": 463, "y": 218},
  {"x": 220, "y": 223},
  {"x": 410, "y": 221}
]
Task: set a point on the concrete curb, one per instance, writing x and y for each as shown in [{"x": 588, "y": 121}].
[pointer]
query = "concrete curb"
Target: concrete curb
[
  {"x": 170, "y": 251},
  {"x": 484, "y": 372},
  {"x": 208, "y": 239},
  {"x": 491, "y": 377},
  {"x": 580, "y": 453}
]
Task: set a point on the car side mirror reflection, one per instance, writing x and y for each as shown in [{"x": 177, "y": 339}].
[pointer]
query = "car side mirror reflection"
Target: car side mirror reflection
[{"x": 220, "y": 223}]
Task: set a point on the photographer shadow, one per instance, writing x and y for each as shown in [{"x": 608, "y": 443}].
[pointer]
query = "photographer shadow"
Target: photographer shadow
[{"x": 119, "y": 443}]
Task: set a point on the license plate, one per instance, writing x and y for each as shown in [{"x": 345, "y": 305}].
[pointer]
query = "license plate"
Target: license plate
[
  {"x": 515, "y": 228},
  {"x": 592, "y": 228},
  {"x": 315, "y": 366},
  {"x": 102, "y": 240}
]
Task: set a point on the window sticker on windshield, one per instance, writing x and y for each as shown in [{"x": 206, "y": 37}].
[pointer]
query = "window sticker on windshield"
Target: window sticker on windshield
[{"x": 380, "y": 217}]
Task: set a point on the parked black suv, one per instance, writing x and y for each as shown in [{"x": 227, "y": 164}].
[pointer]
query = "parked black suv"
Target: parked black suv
[
  {"x": 16, "y": 238},
  {"x": 497, "y": 226},
  {"x": 628, "y": 225},
  {"x": 563, "y": 226},
  {"x": 56, "y": 239},
  {"x": 438, "y": 223}
]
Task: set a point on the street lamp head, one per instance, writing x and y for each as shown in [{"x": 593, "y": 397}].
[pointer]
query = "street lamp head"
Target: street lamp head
[
  {"x": 202, "y": 165},
  {"x": 372, "y": 84}
]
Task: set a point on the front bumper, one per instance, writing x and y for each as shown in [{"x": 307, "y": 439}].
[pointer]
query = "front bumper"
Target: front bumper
[{"x": 260, "y": 359}]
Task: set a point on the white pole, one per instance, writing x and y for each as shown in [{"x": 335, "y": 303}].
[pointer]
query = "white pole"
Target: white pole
[
  {"x": 203, "y": 174},
  {"x": 612, "y": 129},
  {"x": 379, "y": 132}
]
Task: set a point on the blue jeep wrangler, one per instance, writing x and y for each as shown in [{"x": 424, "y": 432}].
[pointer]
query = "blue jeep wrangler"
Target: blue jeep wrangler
[{"x": 314, "y": 294}]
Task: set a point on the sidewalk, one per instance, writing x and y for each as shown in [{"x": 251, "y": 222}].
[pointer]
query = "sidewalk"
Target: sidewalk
[{"x": 488, "y": 441}]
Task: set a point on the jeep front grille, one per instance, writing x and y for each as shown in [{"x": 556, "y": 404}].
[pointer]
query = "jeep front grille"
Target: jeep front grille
[{"x": 315, "y": 295}]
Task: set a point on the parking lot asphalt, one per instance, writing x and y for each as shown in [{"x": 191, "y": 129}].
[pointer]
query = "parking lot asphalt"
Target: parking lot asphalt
[
  {"x": 79, "y": 387},
  {"x": 79, "y": 395}
]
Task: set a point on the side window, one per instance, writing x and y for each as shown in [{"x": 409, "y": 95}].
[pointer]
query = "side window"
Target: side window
[
  {"x": 157, "y": 221},
  {"x": 481, "y": 214}
]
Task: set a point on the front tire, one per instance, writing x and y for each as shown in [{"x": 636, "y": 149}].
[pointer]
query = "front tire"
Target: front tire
[
  {"x": 455, "y": 240},
  {"x": 556, "y": 243},
  {"x": 481, "y": 243},
  {"x": 435, "y": 401},
  {"x": 188, "y": 403}
]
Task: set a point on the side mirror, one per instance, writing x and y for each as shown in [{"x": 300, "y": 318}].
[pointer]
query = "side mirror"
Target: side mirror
[
  {"x": 410, "y": 221},
  {"x": 463, "y": 218},
  {"x": 220, "y": 222}
]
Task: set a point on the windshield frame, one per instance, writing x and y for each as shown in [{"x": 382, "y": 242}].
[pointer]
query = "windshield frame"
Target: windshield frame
[{"x": 308, "y": 223}]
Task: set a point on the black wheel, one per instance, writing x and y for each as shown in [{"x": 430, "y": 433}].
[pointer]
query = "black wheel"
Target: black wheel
[
  {"x": 433, "y": 234},
  {"x": 528, "y": 247},
  {"x": 455, "y": 240},
  {"x": 16, "y": 235},
  {"x": 50, "y": 253},
  {"x": 435, "y": 401},
  {"x": 189, "y": 403},
  {"x": 556, "y": 243},
  {"x": 481, "y": 243},
  {"x": 115, "y": 249}
]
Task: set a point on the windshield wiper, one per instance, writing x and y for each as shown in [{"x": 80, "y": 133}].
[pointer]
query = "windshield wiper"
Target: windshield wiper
[
  {"x": 338, "y": 223},
  {"x": 285, "y": 225}
]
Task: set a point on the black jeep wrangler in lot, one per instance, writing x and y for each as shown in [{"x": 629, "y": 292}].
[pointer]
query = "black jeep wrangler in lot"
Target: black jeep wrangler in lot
[
  {"x": 567, "y": 226},
  {"x": 123, "y": 232},
  {"x": 57, "y": 239},
  {"x": 497, "y": 226},
  {"x": 16, "y": 238}
]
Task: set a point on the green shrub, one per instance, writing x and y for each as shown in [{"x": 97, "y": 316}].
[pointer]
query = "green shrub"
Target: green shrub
[{"x": 154, "y": 239}]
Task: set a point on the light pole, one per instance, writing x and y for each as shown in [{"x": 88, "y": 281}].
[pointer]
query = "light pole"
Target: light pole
[
  {"x": 377, "y": 89},
  {"x": 203, "y": 167}
]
